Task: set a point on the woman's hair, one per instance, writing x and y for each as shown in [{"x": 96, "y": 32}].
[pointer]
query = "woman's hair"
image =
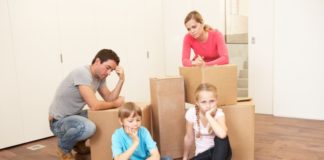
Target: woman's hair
[
  {"x": 128, "y": 109},
  {"x": 203, "y": 87},
  {"x": 195, "y": 15},
  {"x": 106, "y": 54}
]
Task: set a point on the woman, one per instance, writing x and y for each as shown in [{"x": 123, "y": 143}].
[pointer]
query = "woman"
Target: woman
[{"x": 208, "y": 44}]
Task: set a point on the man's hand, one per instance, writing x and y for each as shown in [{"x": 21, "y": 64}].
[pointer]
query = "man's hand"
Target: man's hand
[
  {"x": 120, "y": 73},
  {"x": 119, "y": 101}
]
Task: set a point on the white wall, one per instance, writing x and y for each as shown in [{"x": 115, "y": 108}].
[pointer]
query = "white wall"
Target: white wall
[
  {"x": 298, "y": 59},
  {"x": 261, "y": 51}
]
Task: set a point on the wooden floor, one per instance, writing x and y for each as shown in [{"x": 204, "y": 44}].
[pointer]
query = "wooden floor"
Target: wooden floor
[{"x": 276, "y": 138}]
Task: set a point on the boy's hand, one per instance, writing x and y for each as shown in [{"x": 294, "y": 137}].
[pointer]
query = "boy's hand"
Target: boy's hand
[{"x": 133, "y": 134}]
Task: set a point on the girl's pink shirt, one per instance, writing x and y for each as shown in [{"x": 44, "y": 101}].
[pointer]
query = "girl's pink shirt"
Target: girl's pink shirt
[{"x": 213, "y": 50}]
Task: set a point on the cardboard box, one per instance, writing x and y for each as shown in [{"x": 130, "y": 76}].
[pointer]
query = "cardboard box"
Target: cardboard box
[
  {"x": 168, "y": 111},
  {"x": 240, "y": 124},
  {"x": 107, "y": 122},
  {"x": 224, "y": 77}
]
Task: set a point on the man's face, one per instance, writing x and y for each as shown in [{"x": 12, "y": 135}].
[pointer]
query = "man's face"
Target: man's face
[{"x": 104, "y": 69}]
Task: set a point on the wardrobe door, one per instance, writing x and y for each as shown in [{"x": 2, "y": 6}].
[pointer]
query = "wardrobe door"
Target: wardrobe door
[
  {"x": 77, "y": 33},
  {"x": 10, "y": 111},
  {"x": 35, "y": 39}
]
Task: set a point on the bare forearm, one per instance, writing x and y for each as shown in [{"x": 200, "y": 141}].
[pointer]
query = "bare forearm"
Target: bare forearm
[
  {"x": 102, "y": 105},
  {"x": 128, "y": 153},
  {"x": 219, "y": 129},
  {"x": 188, "y": 141},
  {"x": 115, "y": 92}
]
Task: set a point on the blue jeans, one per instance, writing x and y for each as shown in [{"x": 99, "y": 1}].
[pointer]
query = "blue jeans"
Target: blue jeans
[
  {"x": 72, "y": 129},
  {"x": 166, "y": 158}
]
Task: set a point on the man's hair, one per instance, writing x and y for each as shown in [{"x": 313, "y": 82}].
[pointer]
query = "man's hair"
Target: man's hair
[
  {"x": 106, "y": 54},
  {"x": 128, "y": 109}
]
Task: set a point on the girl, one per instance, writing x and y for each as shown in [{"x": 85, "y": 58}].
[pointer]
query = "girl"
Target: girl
[
  {"x": 206, "y": 125},
  {"x": 208, "y": 44},
  {"x": 133, "y": 141}
]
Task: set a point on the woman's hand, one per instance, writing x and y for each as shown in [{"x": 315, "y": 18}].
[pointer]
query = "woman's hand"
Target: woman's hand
[{"x": 199, "y": 61}]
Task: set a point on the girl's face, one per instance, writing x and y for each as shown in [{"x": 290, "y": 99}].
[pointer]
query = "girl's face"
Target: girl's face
[
  {"x": 194, "y": 28},
  {"x": 206, "y": 101},
  {"x": 132, "y": 122}
]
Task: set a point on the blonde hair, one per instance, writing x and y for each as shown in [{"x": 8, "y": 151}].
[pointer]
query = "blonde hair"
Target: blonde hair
[
  {"x": 203, "y": 87},
  {"x": 195, "y": 15},
  {"x": 128, "y": 109}
]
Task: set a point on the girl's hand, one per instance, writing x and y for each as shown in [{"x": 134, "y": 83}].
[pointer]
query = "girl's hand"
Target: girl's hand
[{"x": 211, "y": 112}]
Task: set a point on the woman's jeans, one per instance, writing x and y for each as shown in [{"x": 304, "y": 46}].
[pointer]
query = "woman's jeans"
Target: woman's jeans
[
  {"x": 72, "y": 129},
  {"x": 221, "y": 151}
]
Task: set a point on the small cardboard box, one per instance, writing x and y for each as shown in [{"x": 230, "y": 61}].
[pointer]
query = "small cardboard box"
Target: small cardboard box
[
  {"x": 224, "y": 77},
  {"x": 240, "y": 124},
  {"x": 168, "y": 111},
  {"x": 106, "y": 123}
]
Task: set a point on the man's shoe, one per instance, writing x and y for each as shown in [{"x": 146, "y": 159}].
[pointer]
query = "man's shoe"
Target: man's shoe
[
  {"x": 64, "y": 156},
  {"x": 81, "y": 148}
]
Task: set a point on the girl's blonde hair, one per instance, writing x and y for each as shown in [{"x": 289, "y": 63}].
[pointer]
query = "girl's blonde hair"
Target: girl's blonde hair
[
  {"x": 128, "y": 109},
  {"x": 195, "y": 15},
  {"x": 203, "y": 87}
]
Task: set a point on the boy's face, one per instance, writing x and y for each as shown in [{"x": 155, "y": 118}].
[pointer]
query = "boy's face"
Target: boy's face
[{"x": 132, "y": 122}]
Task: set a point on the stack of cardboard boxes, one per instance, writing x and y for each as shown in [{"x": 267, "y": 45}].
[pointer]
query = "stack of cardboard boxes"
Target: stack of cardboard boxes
[
  {"x": 239, "y": 116},
  {"x": 166, "y": 114}
]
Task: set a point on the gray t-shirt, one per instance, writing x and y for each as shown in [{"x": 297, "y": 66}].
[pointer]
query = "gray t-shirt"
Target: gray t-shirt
[{"x": 67, "y": 100}]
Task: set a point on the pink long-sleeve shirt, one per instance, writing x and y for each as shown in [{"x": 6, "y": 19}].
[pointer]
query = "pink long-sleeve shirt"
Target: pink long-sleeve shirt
[{"x": 213, "y": 50}]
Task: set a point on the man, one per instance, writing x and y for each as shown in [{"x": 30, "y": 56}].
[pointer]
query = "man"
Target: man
[{"x": 68, "y": 122}]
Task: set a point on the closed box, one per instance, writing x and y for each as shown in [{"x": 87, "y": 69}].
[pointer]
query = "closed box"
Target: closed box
[
  {"x": 224, "y": 77},
  {"x": 168, "y": 114},
  {"x": 106, "y": 123},
  {"x": 241, "y": 125}
]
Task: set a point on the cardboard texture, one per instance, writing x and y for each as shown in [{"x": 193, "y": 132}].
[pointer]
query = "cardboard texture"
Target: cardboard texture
[
  {"x": 240, "y": 124},
  {"x": 224, "y": 77},
  {"x": 168, "y": 112},
  {"x": 107, "y": 122}
]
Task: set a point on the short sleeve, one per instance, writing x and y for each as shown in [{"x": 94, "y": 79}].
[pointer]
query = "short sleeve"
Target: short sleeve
[
  {"x": 116, "y": 145},
  {"x": 80, "y": 76},
  {"x": 219, "y": 113},
  {"x": 191, "y": 115},
  {"x": 149, "y": 142}
]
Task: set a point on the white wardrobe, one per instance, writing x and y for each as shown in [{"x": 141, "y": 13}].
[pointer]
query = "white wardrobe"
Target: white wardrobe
[{"x": 43, "y": 40}]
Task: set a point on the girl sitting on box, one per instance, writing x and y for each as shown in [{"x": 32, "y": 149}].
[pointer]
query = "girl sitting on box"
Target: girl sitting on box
[
  {"x": 133, "y": 141},
  {"x": 206, "y": 125}
]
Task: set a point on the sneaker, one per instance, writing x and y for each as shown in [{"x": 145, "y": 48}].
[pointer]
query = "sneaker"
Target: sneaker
[
  {"x": 64, "y": 156},
  {"x": 81, "y": 148}
]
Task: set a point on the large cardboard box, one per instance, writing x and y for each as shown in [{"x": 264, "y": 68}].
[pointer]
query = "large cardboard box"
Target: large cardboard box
[
  {"x": 224, "y": 77},
  {"x": 107, "y": 122},
  {"x": 240, "y": 124},
  {"x": 168, "y": 111}
]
